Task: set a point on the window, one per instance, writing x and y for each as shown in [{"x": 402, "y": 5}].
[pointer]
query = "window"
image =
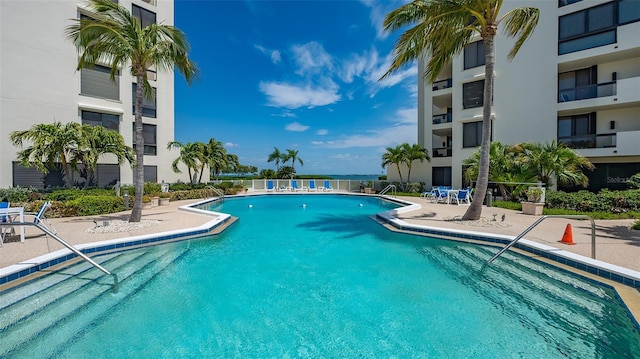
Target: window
[
  {"x": 472, "y": 134},
  {"x": 474, "y": 55},
  {"x": 472, "y": 94},
  {"x": 587, "y": 29},
  {"x": 148, "y": 106},
  {"x": 441, "y": 176},
  {"x": 96, "y": 81},
  {"x": 562, "y": 3},
  {"x": 150, "y": 139},
  {"x": 150, "y": 173},
  {"x": 628, "y": 11},
  {"x": 578, "y": 85},
  {"x": 578, "y": 131},
  {"x": 108, "y": 121},
  {"x": 145, "y": 16}
]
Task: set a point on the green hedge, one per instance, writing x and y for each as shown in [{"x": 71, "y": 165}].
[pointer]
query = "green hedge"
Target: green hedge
[
  {"x": 93, "y": 205},
  {"x": 604, "y": 201}
]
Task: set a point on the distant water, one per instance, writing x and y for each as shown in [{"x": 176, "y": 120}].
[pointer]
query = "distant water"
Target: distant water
[{"x": 356, "y": 177}]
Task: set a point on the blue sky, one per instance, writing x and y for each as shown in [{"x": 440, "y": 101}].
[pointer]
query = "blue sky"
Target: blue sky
[{"x": 297, "y": 75}]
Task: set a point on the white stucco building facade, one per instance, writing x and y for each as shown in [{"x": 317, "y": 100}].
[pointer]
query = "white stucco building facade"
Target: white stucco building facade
[
  {"x": 576, "y": 81},
  {"x": 39, "y": 84}
]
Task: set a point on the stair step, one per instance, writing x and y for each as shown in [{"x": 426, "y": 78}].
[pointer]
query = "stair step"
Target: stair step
[{"x": 61, "y": 319}]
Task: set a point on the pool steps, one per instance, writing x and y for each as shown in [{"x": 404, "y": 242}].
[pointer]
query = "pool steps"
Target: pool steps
[
  {"x": 43, "y": 317},
  {"x": 516, "y": 277}
]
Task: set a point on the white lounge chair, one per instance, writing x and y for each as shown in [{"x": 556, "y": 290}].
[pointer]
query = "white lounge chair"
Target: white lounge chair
[
  {"x": 294, "y": 186},
  {"x": 327, "y": 186},
  {"x": 270, "y": 187},
  {"x": 312, "y": 186}
]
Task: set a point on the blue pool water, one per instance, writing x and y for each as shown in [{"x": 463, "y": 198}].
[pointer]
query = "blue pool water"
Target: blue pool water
[{"x": 314, "y": 276}]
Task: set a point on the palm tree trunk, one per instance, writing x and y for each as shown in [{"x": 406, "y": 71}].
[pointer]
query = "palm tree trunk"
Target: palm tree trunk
[
  {"x": 475, "y": 209},
  {"x": 138, "y": 173}
]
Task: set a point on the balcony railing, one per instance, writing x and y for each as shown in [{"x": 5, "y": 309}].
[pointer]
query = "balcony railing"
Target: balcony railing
[
  {"x": 590, "y": 141},
  {"x": 441, "y": 152},
  {"x": 442, "y": 84},
  {"x": 442, "y": 118},
  {"x": 586, "y": 92},
  {"x": 150, "y": 2}
]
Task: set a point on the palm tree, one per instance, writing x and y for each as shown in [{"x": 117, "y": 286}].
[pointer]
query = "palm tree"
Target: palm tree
[
  {"x": 276, "y": 156},
  {"x": 415, "y": 152},
  {"x": 96, "y": 141},
  {"x": 111, "y": 34},
  {"x": 441, "y": 31},
  {"x": 216, "y": 157},
  {"x": 395, "y": 155},
  {"x": 191, "y": 154},
  {"x": 555, "y": 160},
  {"x": 293, "y": 156},
  {"x": 51, "y": 143}
]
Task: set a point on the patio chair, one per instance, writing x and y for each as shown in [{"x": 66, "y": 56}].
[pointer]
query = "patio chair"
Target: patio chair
[
  {"x": 270, "y": 187},
  {"x": 441, "y": 195},
  {"x": 42, "y": 220},
  {"x": 295, "y": 187},
  {"x": 462, "y": 197},
  {"x": 5, "y": 219},
  {"x": 327, "y": 186},
  {"x": 312, "y": 186}
]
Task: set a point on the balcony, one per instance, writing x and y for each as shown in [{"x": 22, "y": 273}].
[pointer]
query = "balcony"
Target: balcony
[
  {"x": 150, "y": 2},
  {"x": 441, "y": 152},
  {"x": 442, "y": 118},
  {"x": 590, "y": 141},
  {"x": 587, "y": 92},
  {"x": 442, "y": 84}
]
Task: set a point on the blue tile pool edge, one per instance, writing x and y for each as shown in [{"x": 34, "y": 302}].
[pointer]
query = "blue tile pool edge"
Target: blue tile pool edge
[{"x": 31, "y": 266}]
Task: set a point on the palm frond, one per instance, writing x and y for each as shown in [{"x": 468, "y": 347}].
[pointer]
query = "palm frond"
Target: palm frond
[{"x": 520, "y": 23}]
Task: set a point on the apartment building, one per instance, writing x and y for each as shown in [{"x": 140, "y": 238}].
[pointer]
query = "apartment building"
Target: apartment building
[
  {"x": 576, "y": 81},
  {"x": 39, "y": 84}
]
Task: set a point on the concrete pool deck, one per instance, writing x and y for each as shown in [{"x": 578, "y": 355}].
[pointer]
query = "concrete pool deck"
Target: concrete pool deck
[{"x": 616, "y": 242}]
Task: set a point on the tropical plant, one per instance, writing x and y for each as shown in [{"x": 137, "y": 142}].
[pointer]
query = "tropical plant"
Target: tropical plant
[
  {"x": 276, "y": 156},
  {"x": 95, "y": 142},
  {"x": 293, "y": 156},
  {"x": 192, "y": 155},
  {"x": 555, "y": 160},
  {"x": 441, "y": 30},
  {"x": 267, "y": 173},
  {"x": 634, "y": 181},
  {"x": 394, "y": 156},
  {"x": 286, "y": 172},
  {"x": 51, "y": 143},
  {"x": 216, "y": 157},
  {"x": 415, "y": 152},
  {"x": 111, "y": 34}
]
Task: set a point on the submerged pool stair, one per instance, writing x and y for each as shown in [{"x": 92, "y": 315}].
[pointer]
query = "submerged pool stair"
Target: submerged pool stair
[
  {"x": 52, "y": 309},
  {"x": 533, "y": 292}
]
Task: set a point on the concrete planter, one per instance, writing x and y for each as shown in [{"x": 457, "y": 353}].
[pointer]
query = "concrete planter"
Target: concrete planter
[
  {"x": 532, "y": 208},
  {"x": 368, "y": 190},
  {"x": 164, "y": 201}
]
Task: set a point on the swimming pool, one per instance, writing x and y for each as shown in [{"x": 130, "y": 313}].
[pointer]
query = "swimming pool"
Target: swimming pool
[{"x": 313, "y": 276}]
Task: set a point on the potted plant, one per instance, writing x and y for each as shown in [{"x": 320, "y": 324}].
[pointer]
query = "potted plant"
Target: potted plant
[
  {"x": 369, "y": 188},
  {"x": 146, "y": 202},
  {"x": 535, "y": 201},
  {"x": 164, "y": 198}
]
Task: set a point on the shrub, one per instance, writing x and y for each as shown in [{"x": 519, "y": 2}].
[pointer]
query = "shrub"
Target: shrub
[
  {"x": 415, "y": 187},
  {"x": 17, "y": 194},
  {"x": 636, "y": 224},
  {"x": 151, "y": 188},
  {"x": 93, "y": 205}
]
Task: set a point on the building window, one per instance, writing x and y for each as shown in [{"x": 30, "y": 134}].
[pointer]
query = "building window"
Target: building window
[
  {"x": 578, "y": 131},
  {"x": 628, "y": 11},
  {"x": 96, "y": 81},
  {"x": 150, "y": 139},
  {"x": 562, "y": 3},
  {"x": 587, "y": 29},
  {"x": 474, "y": 55},
  {"x": 148, "y": 106},
  {"x": 441, "y": 176},
  {"x": 578, "y": 85},
  {"x": 145, "y": 16},
  {"x": 108, "y": 121},
  {"x": 472, "y": 94},
  {"x": 472, "y": 134},
  {"x": 150, "y": 173}
]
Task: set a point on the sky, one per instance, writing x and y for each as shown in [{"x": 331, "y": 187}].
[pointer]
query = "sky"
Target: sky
[{"x": 300, "y": 75}]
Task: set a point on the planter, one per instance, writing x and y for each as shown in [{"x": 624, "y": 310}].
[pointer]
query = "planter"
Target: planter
[
  {"x": 368, "y": 190},
  {"x": 146, "y": 205},
  {"x": 164, "y": 201},
  {"x": 154, "y": 201},
  {"x": 532, "y": 208}
]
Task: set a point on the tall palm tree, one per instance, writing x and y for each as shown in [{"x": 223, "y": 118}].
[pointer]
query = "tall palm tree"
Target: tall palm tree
[
  {"x": 293, "y": 156},
  {"x": 441, "y": 30},
  {"x": 112, "y": 34},
  {"x": 555, "y": 160},
  {"x": 415, "y": 152},
  {"x": 395, "y": 155},
  {"x": 216, "y": 157},
  {"x": 276, "y": 156},
  {"x": 51, "y": 143},
  {"x": 191, "y": 154},
  {"x": 97, "y": 141}
]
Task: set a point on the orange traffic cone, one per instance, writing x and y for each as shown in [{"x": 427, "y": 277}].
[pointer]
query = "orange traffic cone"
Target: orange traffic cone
[{"x": 567, "y": 237}]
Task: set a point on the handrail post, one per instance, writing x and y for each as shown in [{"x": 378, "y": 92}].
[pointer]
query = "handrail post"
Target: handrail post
[{"x": 539, "y": 220}]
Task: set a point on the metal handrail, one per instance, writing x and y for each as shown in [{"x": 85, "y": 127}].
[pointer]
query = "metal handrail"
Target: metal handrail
[
  {"x": 217, "y": 191},
  {"x": 64, "y": 243},
  {"x": 387, "y": 189},
  {"x": 576, "y": 216}
]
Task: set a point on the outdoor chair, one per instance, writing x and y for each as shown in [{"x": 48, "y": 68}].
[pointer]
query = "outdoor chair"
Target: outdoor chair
[
  {"x": 5, "y": 230},
  {"x": 312, "y": 186},
  {"x": 462, "y": 197},
  {"x": 270, "y": 187},
  {"x": 327, "y": 186}
]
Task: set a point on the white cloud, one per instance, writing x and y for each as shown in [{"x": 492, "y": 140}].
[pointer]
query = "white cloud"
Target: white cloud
[
  {"x": 311, "y": 58},
  {"x": 274, "y": 55},
  {"x": 231, "y": 144},
  {"x": 285, "y": 113},
  {"x": 293, "y": 96},
  {"x": 379, "y": 9},
  {"x": 322, "y": 132},
  {"x": 296, "y": 127}
]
